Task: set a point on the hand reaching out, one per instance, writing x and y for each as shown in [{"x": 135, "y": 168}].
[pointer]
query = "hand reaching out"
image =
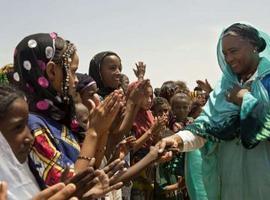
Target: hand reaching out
[{"x": 105, "y": 178}]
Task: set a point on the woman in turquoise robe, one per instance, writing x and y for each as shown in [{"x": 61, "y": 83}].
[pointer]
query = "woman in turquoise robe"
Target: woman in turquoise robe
[{"x": 235, "y": 123}]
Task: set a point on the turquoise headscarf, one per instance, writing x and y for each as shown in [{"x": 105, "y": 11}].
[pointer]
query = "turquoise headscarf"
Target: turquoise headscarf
[{"x": 222, "y": 120}]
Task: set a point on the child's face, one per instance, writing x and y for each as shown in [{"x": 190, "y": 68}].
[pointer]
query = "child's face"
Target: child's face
[
  {"x": 83, "y": 116},
  {"x": 14, "y": 128},
  {"x": 201, "y": 98},
  {"x": 161, "y": 110},
  {"x": 181, "y": 108},
  {"x": 90, "y": 94},
  {"x": 111, "y": 71},
  {"x": 147, "y": 101}
]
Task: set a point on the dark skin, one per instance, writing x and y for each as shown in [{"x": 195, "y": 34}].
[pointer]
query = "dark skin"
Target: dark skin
[
  {"x": 243, "y": 59},
  {"x": 242, "y": 56},
  {"x": 15, "y": 130},
  {"x": 111, "y": 71}
]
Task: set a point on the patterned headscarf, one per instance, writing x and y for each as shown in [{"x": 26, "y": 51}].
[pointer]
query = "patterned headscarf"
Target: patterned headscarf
[
  {"x": 31, "y": 57},
  {"x": 94, "y": 71}
]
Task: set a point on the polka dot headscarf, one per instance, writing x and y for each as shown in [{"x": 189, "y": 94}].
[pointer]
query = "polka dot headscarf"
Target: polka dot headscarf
[{"x": 31, "y": 57}]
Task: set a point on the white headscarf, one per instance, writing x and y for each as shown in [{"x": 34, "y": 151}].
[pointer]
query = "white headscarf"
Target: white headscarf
[{"x": 20, "y": 180}]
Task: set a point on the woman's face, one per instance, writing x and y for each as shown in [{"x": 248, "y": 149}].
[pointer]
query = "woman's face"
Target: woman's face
[
  {"x": 14, "y": 128},
  {"x": 148, "y": 99},
  {"x": 111, "y": 71},
  {"x": 239, "y": 54}
]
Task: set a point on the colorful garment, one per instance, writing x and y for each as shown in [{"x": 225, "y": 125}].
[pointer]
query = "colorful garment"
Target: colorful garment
[
  {"x": 236, "y": 155},
  {"x": 55, "y": 147}
]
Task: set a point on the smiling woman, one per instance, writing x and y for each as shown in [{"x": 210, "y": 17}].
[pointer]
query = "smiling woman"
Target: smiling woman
[{"x": 233, "y": 129}]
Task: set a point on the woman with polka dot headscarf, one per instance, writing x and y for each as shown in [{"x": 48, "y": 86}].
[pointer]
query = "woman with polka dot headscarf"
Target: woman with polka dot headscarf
[{"x": 45, "y": 67}]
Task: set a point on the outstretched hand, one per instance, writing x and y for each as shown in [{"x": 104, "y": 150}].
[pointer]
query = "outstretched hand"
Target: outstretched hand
[
  {"x": 105, "y": 179},
  {"x": 167, "y": 147}
]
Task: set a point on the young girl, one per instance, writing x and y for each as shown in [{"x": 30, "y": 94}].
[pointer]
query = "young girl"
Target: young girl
[
  {"x": 15, "y": 144},
  {"x": 169, "y": 175},
  {"x": 146, "y": 131},
  {"x": 181, "y": 106},
  {"x": 45, "y": 67}
]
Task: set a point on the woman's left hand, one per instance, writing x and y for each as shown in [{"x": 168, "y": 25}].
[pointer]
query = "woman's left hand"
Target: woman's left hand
[{"x": 235, "y": 95}]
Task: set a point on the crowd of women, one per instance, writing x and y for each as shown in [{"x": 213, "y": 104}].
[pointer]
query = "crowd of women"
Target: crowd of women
[{"x": 68, "y": 135}]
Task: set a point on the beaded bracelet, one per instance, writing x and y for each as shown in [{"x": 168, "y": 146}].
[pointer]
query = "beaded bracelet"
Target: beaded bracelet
[{"x": 84, "y": 158}]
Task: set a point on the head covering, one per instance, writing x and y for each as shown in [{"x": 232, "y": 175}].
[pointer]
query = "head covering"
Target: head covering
[
  {"x": 21, "y": 182},
  {"x": 143, "y": 120},
  {"x": 84, "y": 81},
  {"x": 222, "y": 120},
  {"x": 95, "y": 72},
  {"x": 30, "y": 61}
]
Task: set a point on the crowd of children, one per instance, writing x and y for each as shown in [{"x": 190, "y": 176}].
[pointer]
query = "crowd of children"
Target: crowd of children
[{"x": 69, "y": 135}]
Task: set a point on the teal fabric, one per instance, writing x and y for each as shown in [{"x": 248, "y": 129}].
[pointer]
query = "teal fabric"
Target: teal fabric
[
  {"x": 193, "y": 175},
  {"x": 220, "y": 119},
  {"x": 236, "y": 156}
]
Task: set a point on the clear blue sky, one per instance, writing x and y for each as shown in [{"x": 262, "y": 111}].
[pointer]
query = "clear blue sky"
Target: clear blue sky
[{"x": 175, "y": 38}]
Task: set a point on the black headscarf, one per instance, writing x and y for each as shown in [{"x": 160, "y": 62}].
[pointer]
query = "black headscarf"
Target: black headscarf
[
  {"x": 30, "y": 60},
  {"x": 94, "y": 71}
]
